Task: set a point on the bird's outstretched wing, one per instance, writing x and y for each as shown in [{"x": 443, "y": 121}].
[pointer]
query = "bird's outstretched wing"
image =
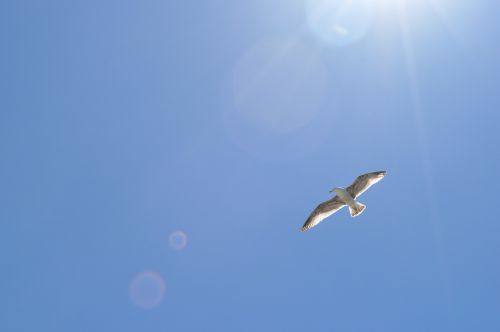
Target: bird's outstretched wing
[
  {"x": 322, "y": 211},
  {"x": 363, "y": 182}
]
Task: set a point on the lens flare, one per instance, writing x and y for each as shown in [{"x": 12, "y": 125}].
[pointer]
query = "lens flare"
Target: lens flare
[
  {"x": 274, "y": 99},
  {"x": 279, "y": 84},
  {"x": 177, "y": 240},
  {"x": 147, "y": 289},
  {"x": 340, "y": 22}
]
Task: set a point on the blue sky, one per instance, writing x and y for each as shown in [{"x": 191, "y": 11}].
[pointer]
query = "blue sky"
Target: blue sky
[{"x": 122, "y": 122}]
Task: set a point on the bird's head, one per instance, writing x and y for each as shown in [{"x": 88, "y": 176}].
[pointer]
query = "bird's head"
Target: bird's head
[{"x": 335, "y": 189}]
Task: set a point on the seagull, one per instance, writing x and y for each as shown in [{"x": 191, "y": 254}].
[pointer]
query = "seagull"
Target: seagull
[{"x": 344, "y": 197}]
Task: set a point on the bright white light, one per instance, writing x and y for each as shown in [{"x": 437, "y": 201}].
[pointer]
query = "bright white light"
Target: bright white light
[
  {"x": 340, "y": 22},
  {"x": 381, "y": 3},
  {"x": 344, "y": 22}
]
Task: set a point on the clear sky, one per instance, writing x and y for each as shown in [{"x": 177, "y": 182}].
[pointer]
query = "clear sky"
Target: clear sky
[{"x": 159, "y": 157}]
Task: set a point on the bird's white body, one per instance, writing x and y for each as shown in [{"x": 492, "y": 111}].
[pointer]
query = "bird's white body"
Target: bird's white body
[
  {"x": 345, "y": 196},
  {"x": 355, "y": 208}
]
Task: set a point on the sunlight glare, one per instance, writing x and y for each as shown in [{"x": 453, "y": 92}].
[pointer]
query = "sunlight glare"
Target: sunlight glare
[{"x": 340, "y": 22}]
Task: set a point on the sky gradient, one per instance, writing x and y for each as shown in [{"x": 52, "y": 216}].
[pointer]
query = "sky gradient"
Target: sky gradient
[{"x": 158, "y": 159}]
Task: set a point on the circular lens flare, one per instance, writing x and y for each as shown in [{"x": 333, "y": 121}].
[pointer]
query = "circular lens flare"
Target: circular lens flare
[
  {"x": 177, "y": 240},
  {"x": 279, "y": 85},
  {"x": 147, "y": 289}
]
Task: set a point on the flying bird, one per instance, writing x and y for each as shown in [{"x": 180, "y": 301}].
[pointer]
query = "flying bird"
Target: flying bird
[{"x": 344, "y": 197}]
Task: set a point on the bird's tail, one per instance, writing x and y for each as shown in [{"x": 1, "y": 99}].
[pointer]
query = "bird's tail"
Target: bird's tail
[{"x": 356, "y": 209}]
